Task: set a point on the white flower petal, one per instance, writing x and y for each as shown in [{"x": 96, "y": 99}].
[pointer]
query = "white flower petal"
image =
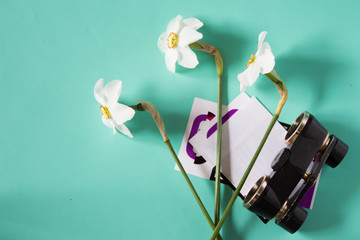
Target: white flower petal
[
  {"x": 262, "y": 36},
  {"x": 121, "y": 113},
  {"x": 108, "y": 122},
  {"x": 174, "y": 25},
  {"x": 162, "y": 42},
  {"x": 265, "y": 47},
  {"x": 249, "y": 76},
  {"x": 99, "y": 92},
  {"x": 265, "y": 59},
  {"x": 112, "y": 91},
  {"x": 193, "y": 23},
  {"x": 188, "y": 35},
  {"x": 187, "y": 58},
  {"x": 170, "y": 59},
  {"x": 123, "y": 129}
]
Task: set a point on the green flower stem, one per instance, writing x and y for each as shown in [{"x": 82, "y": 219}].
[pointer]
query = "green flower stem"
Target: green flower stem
[
  {"x": 218, "y": 152},
  {"x": 243, "y": 179},
  {"x": 219, "y": 66},
  {"x": 150, "y": 108},
  {"x": 198, "y": 200},
  {"x": 280, "y": 85}
]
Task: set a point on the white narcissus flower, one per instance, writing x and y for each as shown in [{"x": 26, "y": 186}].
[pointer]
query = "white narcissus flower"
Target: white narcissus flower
[
  {"x": 113, "y": 113},
  {"x": 175, "y": 42},
  {"x": 262, "y": 62}
]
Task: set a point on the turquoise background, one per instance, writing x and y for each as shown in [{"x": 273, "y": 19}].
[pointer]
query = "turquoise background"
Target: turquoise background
[{"x": 64, "y": 175}]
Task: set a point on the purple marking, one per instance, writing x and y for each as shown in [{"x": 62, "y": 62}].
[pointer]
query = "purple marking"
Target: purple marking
[
  {"x": 210, "y": 116},
  {"x": 195, "y": 129},
  {"x": 226, "y": 117}
]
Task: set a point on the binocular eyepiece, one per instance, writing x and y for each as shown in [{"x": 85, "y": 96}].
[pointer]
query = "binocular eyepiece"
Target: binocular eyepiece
[{"x": 295, "y": 170}]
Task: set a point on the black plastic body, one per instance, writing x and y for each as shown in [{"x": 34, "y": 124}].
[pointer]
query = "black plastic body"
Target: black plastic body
[{"x": 292, "y": 166}]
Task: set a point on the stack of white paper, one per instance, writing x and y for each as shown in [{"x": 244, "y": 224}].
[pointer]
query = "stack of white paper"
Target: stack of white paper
[{"x": 245, "y": 121}]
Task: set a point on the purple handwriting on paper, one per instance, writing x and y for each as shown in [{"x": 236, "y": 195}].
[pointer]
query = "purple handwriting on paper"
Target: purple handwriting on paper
[
  {"x": 226, "y": 117},
  {"x": 212, "y": 130},
  {"x": 194, "y": 129}
]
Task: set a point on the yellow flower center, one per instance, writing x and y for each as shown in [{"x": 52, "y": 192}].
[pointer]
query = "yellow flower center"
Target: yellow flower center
[
  {"x": 172, "y": 40},
  {"x": 252, "y": 59},
  {"x": 105, "y": 112}
]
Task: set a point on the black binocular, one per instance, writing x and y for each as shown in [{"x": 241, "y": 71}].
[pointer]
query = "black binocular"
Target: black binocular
[{"x": 295, "y": 170}]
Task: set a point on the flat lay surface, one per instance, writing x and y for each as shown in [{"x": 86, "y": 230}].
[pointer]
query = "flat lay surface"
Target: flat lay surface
[{"x": 64, "y": 175}]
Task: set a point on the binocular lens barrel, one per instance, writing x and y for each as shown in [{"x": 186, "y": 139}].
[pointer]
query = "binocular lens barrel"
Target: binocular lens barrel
[
  {"x": 338, "y": 153},
  {"x": 296, "y": 128},
  {"x": 295, "y": 170},
  {"x": 293, "y": 220},
  {"x": 262, "y": 199}
]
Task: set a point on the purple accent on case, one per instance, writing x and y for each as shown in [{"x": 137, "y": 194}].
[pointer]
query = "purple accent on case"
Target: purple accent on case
[
  {"x": 307, "y": 199},
  {"x": 309, "y": 195},
  {"x": 226, "y": 117}
]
